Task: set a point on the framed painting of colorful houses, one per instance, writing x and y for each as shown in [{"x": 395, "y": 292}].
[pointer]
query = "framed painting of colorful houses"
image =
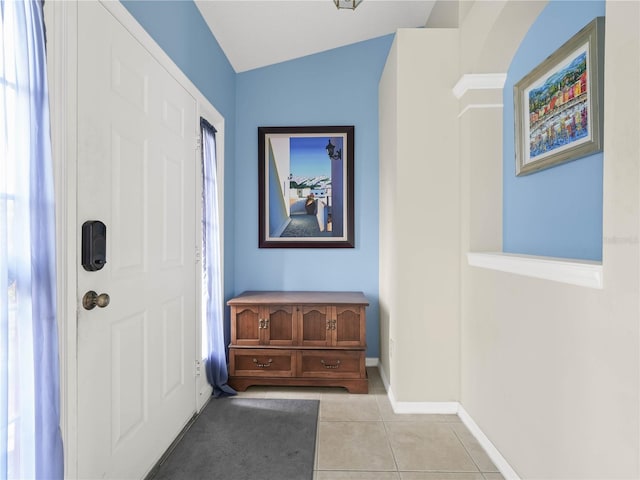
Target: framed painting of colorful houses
[
  {"x": 305, "y": 187},
  {"x": 559, "y": 104}
]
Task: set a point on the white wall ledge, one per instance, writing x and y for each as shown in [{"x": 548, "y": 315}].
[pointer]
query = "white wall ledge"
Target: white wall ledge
[
  {"x": 479, "y": 81},
  {"x": 583, "y": 273}
]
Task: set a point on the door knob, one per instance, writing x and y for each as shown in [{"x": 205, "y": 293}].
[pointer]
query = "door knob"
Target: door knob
[{"x": 91, "y": 299}]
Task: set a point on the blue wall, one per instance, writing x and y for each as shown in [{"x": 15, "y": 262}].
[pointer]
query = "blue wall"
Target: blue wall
[
  {"x": 178, "y": 27},
  {"x": 337, "y": 87},
  {"x": 555, "y": 212}
]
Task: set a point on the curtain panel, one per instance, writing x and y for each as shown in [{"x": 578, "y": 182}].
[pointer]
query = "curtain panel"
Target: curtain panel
[
  {"x": 30, "y": 438},
  {"x": 212, "y": 298}
]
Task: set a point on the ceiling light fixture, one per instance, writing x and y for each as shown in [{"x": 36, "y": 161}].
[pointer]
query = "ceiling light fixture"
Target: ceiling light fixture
[{"x": 347, "y": 4}]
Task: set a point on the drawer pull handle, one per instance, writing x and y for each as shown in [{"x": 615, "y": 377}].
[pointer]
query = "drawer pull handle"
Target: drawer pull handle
[
  {"x": 263, "y": 323},
  {"x": 331, "y": 324},
  {"x": 329, "y": 365},
  {"x": 263, "y": 365}
]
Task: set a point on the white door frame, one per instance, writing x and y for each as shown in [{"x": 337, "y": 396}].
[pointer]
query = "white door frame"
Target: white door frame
[{"x": 62, "y": 65}]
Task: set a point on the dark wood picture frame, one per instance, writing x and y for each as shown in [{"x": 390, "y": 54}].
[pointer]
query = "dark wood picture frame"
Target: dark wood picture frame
[{"x": 306, "y": 187}]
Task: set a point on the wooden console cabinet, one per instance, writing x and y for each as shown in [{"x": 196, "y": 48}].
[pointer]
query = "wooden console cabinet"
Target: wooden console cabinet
[{"x": 298, "y": 338}]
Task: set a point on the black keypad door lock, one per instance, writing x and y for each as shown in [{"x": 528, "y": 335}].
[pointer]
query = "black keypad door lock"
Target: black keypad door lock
[{"x": 94, "y": 245}]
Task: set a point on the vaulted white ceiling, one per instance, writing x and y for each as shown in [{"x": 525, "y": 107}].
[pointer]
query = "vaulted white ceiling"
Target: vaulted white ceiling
[{"x": 256, "y": 33}]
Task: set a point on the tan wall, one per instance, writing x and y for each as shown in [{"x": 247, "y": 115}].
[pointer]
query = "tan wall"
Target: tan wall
[
  {"x": 422, "y": 197},
  {"x": 491, "y": 32},
  {"x": 550, "y": 372},
  {"x": 388, "y": 118}
]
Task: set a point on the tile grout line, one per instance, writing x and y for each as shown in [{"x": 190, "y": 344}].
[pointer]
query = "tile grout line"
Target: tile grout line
[
  {"x": 467, "y": 450},
  {"x": 393, "y": 453},
  {"x": 315, "y": 456},
  {"x": 386, "y": 435},
  {"x": 386, "y": 423}
]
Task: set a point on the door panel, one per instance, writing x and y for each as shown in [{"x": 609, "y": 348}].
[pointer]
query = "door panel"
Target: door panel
[
  {"x": 128, "y": 173},
  {"x": 129, "y": 402},
  {"x": 247, "y": 329},
  {"x": 173, "y": 355},
  {"x": 137, "y": 170},
  {"x": 315, "y": 326},
  {"x": 282, "y": 325},
  {"x": 172, "y": 195},
  {"x": 349, "y": 329}
]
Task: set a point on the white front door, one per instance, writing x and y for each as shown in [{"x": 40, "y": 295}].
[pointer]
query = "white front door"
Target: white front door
[{"x": 137, "y": 169}]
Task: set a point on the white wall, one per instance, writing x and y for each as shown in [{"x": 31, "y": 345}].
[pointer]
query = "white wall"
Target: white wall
[
  {"x": 550, "y": 372},
  {"x": 419, "y": 216}
]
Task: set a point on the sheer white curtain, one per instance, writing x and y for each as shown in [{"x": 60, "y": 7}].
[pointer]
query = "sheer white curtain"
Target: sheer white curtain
[
  {"x": 212, "y": 299},
  {"x": 30, "y": 440}
]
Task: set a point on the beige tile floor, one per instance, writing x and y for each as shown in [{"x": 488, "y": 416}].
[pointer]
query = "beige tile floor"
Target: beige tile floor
[{"x": 361, "y": 438}]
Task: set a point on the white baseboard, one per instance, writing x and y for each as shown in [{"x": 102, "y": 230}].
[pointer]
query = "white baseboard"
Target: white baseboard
[
  {"x": 456, "y": 409},
  {"x": 372, "y": 361},
  {"x": 496, "y": 457},
  {"x": 384, "y": 378},
  {"x": 444, "y": 408},
  {"x": 426, "y": 408}
]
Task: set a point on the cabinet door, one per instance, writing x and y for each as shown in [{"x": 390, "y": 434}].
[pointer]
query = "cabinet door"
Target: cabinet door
[
  {"x": 246, "y": 325},
  {"x": 314, "y": 325},
  {"x": 348, "y": 326},
  {"x": 281, "y": 324}
]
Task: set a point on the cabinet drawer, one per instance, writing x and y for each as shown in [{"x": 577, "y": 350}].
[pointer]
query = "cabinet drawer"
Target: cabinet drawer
[
  {"x": 332, "y": 363},
  {"x": 262, "y": 363}
]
